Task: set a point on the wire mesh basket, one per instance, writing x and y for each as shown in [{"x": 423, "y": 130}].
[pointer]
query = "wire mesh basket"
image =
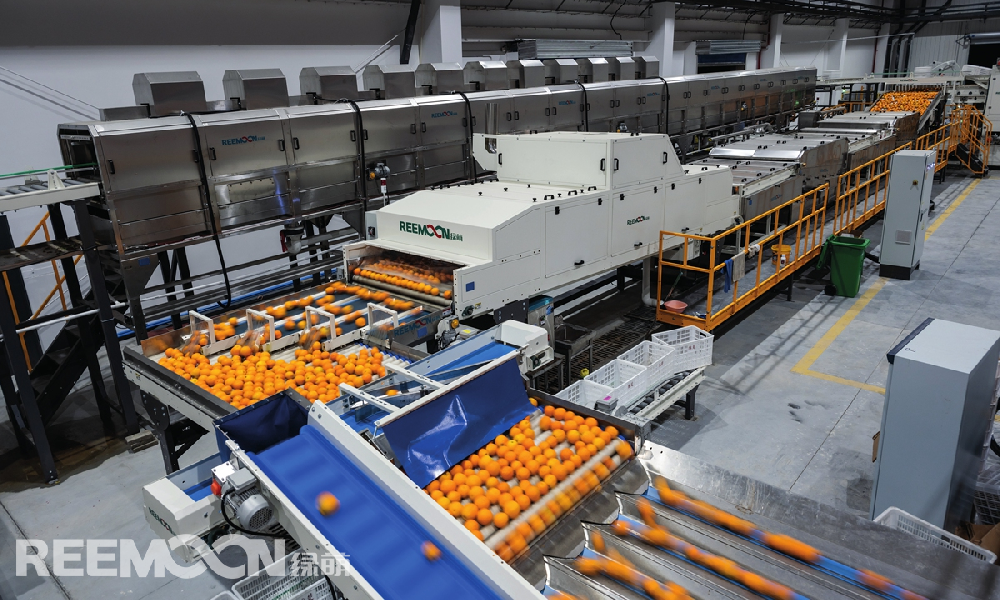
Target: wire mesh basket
[
  {"x": 627, "y": 380},
  {"x": 657, "y": 358},
  {"x": 585, "y": 393},
  {"x": 278, "y": 582},
  {"x": 692, "y": 347},
  {"x": 901, "y": 520}
]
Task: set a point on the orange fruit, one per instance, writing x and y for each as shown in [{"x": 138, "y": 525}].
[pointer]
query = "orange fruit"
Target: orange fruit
[
  {"x": 327, "y": 504},
  {"x": 500, "y": 520},
  {"x": 430, "y": 551},
  {"x": 484, "y": 517},
  {"x": 512, "y": 508}
]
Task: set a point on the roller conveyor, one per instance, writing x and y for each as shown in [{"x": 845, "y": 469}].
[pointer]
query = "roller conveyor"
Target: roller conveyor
[{"x": 382, "y": 542}]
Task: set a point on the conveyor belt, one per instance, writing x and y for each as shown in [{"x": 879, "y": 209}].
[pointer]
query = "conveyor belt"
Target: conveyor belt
[{"x": 383, "y": 543}]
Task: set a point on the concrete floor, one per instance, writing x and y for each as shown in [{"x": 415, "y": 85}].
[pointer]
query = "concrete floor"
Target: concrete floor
[{"x": 793, "y": 400}]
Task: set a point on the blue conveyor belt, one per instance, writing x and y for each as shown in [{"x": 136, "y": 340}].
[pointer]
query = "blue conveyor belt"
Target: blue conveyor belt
[
  {"x": 482, "y": 355},
  {"x": 383, "y": 543}
]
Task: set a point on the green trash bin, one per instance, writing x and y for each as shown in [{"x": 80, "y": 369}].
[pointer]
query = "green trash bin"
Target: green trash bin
[{"x": 845, "y": 256}]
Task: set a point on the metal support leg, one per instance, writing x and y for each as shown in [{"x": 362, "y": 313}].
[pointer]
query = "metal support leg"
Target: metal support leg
[
  {"x": 689, "y": 403},
  {"x": 90, "y": 344},
  {"x": 29, "y": 408},
  {"x": 122, "y": 389},
  {"x": 13, "y": 409},
  {"x": 620, "y": 280},
  {"x": 166, "y": 272},
  {"x": 174, "y": 435}
]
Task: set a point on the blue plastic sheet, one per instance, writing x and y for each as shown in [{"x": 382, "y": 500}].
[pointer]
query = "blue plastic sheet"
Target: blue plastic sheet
[
  {"x": 438, "y": 435},
  {"x": 261, "y": 425}
]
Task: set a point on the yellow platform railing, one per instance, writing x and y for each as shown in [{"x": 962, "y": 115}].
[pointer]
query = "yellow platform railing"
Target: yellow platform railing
[
  {"x": 801, "y": 226},
  {"x": 57, "y": 288}
]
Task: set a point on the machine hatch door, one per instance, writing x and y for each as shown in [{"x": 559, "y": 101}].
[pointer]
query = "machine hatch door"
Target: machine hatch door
[{"x": 576, "y": 235}]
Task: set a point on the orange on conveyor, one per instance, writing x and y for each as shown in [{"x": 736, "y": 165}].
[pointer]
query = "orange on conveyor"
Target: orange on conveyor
[
  {"x": 517, "y": 472},
  {"x": 248, "y": 376}
]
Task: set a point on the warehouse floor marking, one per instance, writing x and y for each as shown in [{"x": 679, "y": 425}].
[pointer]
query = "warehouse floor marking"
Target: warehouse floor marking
[{"x": 804, "y": 366}]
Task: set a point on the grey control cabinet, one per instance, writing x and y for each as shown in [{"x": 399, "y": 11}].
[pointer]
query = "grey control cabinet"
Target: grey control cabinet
[
  {"x": 906, "y": 212},
  {"x": 942, "y": 381}
]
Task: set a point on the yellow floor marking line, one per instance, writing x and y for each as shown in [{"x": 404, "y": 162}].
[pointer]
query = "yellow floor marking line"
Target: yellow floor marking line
[
  {"x": 804, "y": 366},
  {"x": 951, "y": 208}
]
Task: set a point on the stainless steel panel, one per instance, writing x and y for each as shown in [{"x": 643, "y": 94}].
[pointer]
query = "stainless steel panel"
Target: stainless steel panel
[
  {"x": 442, "y": 120},
  {"x": 372, "y": 79},
  {"x": 628, "y": 99},
  {"x": 601, "y": 102},
  {"x": 504, "y": 104},
  {"x": 442, "y": 155},
  {"x": 439, "y": 78},
  {"x": 529, "y": 111},
  {"x": 443, "y": 173},
  {"x": 647, "y": 67},
  {"x": 592, "y": 70},
  {"x": 169, "y": 93},
  {"x": 329, "y": 83},
  {"x": 485, "y": 75},
  {"x": 621, "y": 68},
  {"x": 321, "y": 133},
  {"x": 561, "y": 70},
  {"x": 162, "y": 229},
  {"x": 525, "y": 74},
  {"x": 400, "y": 81},
  {"x": 651, "y": 94},
  {"x": 389, "y": 126},
  {"x": 254, "y": 209},
  {"x": 242, "y": 142},
  {"x": 565, "y": 104},
  {"x": 152, "y": 203},
  {"x": 328, "y": 195},
  {"x": 146, "y": 152},
  {"x": 256, "y": 88},
  {"x": 310, "y": 181}
]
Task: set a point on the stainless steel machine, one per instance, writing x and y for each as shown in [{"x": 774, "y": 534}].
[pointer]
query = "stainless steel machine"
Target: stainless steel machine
[
  {"x": 820, "y": 160},
  {"x": 191, "y": 176}
]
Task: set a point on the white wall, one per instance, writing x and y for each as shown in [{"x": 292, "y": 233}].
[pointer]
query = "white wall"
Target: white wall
[{"x": 811, "y": 46}]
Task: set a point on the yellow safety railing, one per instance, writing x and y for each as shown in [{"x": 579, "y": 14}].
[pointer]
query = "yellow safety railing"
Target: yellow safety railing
[
  {"x": 802, "y": 225},
  {"x": 795, "y": 241},
  {"x": 59, "y": 280},
  {"x": 974, "y": 130}
]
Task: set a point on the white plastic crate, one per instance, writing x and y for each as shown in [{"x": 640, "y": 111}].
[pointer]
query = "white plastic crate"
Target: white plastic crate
[
  {"x": 657, "y": 358},
  {"x": 585, "y": 393},
  {"x": 901, "y": 520},
  {"x": 692, "y": 347},
  {"x": 262, "y": 585},
  {"x": 318, "y": 591},
  {"x": 987, "y": 496},
  {"x": 627, "y": 380}
]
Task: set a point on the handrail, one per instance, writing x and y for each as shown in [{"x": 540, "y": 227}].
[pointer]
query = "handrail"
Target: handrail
[{"x": 858, "y": 196}]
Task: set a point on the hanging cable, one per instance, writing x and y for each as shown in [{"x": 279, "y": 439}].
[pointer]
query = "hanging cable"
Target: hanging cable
[
  {"x": 468, "y": 128},
  {"x": 211, "y": 211},
  {"x": 585, "y": 109}
]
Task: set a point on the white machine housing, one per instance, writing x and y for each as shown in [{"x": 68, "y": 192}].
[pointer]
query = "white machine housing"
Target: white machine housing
[
  {"x": 567, "y": 206},
  {"x": 906, "y": 212},
  {"x": 171, "y": 512},
  {"x": 533, "y": 342}
]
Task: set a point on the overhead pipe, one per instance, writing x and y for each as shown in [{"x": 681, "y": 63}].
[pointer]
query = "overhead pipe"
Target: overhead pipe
[{"x": 411, "y": 27}]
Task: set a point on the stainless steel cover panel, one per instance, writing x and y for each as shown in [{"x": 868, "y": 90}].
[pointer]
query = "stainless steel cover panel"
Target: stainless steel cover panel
[
  {"x": 485, "y": 75},
  {"x": 169, "y": 93},
  {"x": 329, "y": 83},
  {"x": 256, "y": 88}
]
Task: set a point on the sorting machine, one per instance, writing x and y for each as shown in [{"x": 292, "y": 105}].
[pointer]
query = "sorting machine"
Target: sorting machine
[
  {"x": 379, "y": 458},
  {"x": 192, "y": 171}
]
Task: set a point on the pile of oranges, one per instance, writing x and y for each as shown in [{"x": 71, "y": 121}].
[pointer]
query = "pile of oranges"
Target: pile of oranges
[
  {"x": 424, "y": 288},
  {"x": 904, "y": 101},
  {"x": 248, "y": 376},
  {"x": 492, "y": 487}
]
